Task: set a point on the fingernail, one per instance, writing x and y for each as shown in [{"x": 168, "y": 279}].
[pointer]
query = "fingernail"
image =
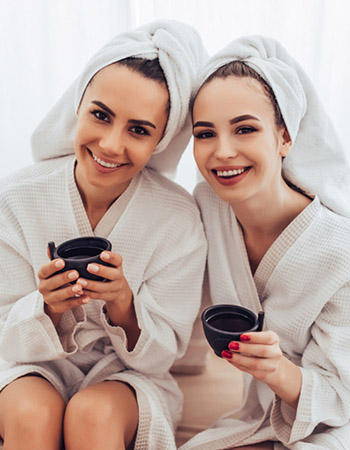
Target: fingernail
[
  {"x": 59, "y": 264},
  {"x": 105, "y": 255},
  {"x": 73, "y": 275},
  {"x": 226, "y": 354},
  {"x": 76, "y": 288},
  {"x": 85, "y": 300},
  {"x": 93, "y": 268},
  {"x": 233, "y": 346},
  {"x": 245, "y": 337},
  {"x": 82, "y": 282}
]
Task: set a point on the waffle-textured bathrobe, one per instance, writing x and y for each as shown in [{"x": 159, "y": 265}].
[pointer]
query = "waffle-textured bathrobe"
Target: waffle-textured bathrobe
[
  {"x": 155, "y": 226},
  {"x": 303, "y": 285}
]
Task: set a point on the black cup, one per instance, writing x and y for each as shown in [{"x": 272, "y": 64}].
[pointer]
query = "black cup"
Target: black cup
[
  {"x": 78, "y": 253},
  {"x": 225, "y": 323}
]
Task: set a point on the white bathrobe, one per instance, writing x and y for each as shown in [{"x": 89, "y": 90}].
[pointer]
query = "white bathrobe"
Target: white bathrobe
[
  {"x": 303, "y": 285},
  {"x": 155, "y": 226}
]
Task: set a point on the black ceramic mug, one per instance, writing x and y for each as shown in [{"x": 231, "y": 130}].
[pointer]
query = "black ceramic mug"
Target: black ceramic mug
[
  {"x": 225, "y": 323},
  {"x": 79, "y": 252}
]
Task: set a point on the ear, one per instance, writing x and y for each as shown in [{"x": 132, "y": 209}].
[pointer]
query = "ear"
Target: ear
[{"x": 286, "y": 143}]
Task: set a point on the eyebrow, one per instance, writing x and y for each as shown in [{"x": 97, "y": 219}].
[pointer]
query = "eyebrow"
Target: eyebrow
[
  {"x": 203, "y": 124},
  {"x": 142, "y": 122},
  {"x": 242, "y": 118},
  {"x": 132, "y": 121},
  {"x": 231, "y": 122},
  {"x": 104, "y": 107}
]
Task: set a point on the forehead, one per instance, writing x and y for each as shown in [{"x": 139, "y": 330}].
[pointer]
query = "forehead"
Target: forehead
[
  {"x": 119, "y": 87},
  {"x": 232, "y": 95}
]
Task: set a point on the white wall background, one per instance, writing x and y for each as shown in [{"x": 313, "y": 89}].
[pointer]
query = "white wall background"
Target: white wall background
[{"x": 45, "y": 43}]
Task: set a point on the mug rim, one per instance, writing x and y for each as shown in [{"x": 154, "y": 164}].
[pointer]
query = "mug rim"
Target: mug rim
[
  {"x": 247, "y": 311},
  {"x": 75, "y": 242}
]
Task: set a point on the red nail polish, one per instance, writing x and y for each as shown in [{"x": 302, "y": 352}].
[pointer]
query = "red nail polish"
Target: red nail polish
[
  {"x": 233, "y": 345},
  {"x": 226, "y": 354},
  {"x": 245, "y": 337}
]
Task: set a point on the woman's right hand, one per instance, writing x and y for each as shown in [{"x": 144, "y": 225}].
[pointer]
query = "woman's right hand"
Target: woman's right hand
[{"x": 58, "y": 292}]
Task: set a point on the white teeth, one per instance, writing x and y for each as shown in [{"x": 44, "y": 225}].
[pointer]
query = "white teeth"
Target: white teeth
[
  {"x": 229, "y": 173},
  {"x": 104, "y": 163}
]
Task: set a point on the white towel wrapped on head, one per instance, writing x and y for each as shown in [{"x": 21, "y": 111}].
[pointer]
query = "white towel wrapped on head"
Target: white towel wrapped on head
[
  {"x": 317, "y": 162},
  {"x": 181, "y": 54}
]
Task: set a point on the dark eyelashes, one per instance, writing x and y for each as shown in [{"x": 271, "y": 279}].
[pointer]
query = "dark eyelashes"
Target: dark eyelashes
[
  {"x": 245, "y": 130},
  {"x": 100, "y": 115},
  {"x": 104, "y": 117},
  {"x": 140, "y": 130},
  {"x": 209, "y": 134},
  {"x": 203, "y": 135}
]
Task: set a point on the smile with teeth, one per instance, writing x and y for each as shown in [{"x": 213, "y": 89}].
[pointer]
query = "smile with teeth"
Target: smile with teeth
[
  {"x": 229, "y": 173},
  {"x": 104, "y": 163}
]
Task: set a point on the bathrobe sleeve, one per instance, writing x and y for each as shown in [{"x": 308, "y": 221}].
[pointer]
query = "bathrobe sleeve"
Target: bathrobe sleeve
[
  {"x": 27, "y": 334},
  {"x": 325, "y": 366},
  {"x": 167, "y": 301}
]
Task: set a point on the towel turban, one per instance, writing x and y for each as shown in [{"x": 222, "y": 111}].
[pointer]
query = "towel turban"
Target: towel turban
[
  {"x": 181, "y": 54},
  {"x": 317, "y": 162}
]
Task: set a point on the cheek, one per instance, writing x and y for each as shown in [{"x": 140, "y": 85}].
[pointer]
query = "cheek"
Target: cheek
[
  {"x": 201, "y": 154},
  {"x": 197, "y": 155}
]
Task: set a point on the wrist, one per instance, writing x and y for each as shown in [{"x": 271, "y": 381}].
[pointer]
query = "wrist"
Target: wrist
[
  {"x": 54, "y": 316},
  {"x": 287, "y": 382}
]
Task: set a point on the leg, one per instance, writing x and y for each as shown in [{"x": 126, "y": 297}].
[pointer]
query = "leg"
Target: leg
[
  {"x": 103, "y": 415},
  {"x": 31, "y": 415}
]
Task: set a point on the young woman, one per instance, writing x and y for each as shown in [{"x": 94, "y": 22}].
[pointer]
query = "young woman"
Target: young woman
[
  {"x": 86, "y": 365},
  {"x": 273, "y": 206}
]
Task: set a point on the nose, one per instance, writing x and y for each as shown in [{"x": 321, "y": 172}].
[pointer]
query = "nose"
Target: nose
[
  {"x": 225, "y": 148},
  {"x": 112, "y": 140}
]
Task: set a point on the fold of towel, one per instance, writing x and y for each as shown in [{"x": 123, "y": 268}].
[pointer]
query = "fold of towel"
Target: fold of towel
[
  {"x": 181, "y": 54},
  {"x": 317, "y": 162}
]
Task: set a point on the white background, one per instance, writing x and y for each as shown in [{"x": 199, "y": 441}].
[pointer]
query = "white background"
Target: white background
[{"x": 45, "y": 43}]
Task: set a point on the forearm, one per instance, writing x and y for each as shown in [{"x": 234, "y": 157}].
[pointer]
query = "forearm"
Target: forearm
[
  {"x": 287, "y": 383},
  {"x": 123, "y": 315}
]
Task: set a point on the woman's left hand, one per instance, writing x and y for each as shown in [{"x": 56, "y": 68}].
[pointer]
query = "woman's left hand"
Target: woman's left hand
[
  {"x": 260, "y": 355},
  {"x": 115, "y": 287}
]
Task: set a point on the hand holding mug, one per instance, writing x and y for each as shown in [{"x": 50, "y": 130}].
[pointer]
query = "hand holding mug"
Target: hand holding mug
[
  {"x": 258, "y": 354},
  {"x": 114, "y": 288},
  {"x": 58, "y": 292}
]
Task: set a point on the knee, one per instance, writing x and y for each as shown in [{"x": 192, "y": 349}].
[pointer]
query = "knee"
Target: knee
[
  {"x": 85, "y": 407},
  {"x": 40, "y": 410},
  {"x": 37, "y": 414}
]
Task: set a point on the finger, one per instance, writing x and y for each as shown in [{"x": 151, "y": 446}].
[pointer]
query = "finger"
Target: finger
[
  {"x": 102, "y": 286},
  {"x": 261, "y": 337},
  {"x": 63, "y": 294},
  {"x": 250, "y": 364},
  {"x": 112, "y": 258},
  {"x": 58, "y": 281},
  {"x": 256, "y": 350},
  {"x": 253, "y": 365},
  {"x": 47, "y": 270},
  {"x": 69, "y": 303},
  {"x": 107, "y": 273}
]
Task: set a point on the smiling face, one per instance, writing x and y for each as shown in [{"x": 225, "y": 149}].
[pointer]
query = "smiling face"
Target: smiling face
[
  {"x": 121, "y": 119},
  {"x": 237, "y": 145}
]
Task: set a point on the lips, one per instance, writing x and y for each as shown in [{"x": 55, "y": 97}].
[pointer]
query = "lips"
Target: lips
[
  {"x": 228, "y": 176},
  {"x": 103, "y": 165}
]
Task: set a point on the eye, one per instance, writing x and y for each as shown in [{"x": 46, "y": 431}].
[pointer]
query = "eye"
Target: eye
[
  {"x": 204, "y": 135},
  {"x": 137, "y": 129},
  {"x": 100, "y": 115},
  {"x": 245, "y": 130}
]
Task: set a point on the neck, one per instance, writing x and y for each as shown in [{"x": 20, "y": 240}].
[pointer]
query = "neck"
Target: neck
[
  {"x": 262, "y": 222},
  {"x": 270, "y": 216},
  {"x": 97, "y": 200}
]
